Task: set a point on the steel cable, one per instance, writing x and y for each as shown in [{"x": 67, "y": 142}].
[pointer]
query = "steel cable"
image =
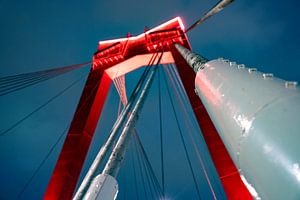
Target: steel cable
[
  {"x": 28, "y": 182},
  {"x": 40, "y": 107},
  {"x": 217, "y": 8},
  {"x": 14, "y": 83},
  {"x": 161, "y": 135},
  {"x": 188, "y": 122},
  {"x": 182, "y": 139},
  {"x": 141, "y": 170},
  {"x": 148, "y": 166}
]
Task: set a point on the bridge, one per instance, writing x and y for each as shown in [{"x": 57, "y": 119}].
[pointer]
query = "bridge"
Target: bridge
[{"x": 163, "y": 58}]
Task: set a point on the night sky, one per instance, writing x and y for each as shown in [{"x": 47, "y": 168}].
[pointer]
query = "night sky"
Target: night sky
[{"x": 37, "y": 35}]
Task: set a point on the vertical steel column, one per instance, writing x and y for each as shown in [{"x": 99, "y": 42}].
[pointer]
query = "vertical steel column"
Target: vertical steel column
[{"x": 70, "y": 162}]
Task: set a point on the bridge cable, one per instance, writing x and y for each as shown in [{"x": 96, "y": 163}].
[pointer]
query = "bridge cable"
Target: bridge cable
[
  {"x": 217, "y": 8},
  {"x": 148, "y": 168},
  {"x": 23, "y": 85},
  {"x": 35, "y": 75},
  {"x": 140, "y": 156},
  {"x": 182, "y": 138},
  {"x": 176, "y": 78},
  {"x": 172, "y": 74},
  {"x": 108, "y": 142},
  {"x": 142, "y": 159},
  {"x": 148, "y": 178},
  {"x": 41, "y": 163},
  {"x": 134, "y": 172},
  {"x": 154, "y": 179},
  {"x": 7, "y": 88},
  {"x": 40, "y": 107},
  {"x": 53, "y": 146},
  {"x": 6, "y": 79},
  {"x": 149, "y": 175},
  {"x": 141, "y": 170},
  {"x": 161, "y": 135},
  {"x": 14, "y": 83}
]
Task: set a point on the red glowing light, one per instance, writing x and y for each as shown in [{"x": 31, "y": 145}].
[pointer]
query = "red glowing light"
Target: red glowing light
[{"x": 160, "y": 27}]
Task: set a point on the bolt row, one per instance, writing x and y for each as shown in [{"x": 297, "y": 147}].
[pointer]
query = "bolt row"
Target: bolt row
[{"x": 266, "y": 76}]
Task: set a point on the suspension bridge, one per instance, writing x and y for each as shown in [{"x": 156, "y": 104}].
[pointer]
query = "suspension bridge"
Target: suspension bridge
[{"x": 209, "y": 123}]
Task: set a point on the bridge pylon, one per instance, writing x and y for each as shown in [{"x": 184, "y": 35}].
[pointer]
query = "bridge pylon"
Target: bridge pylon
[{"x": 115, "y": 58}]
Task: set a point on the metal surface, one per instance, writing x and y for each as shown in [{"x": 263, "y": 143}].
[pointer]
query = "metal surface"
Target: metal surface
[
  {"x": 256, "y": 116},
  {"x": 107, "y": 65},
  {"x": 114, "y": 131},
  {"x": 79, "y": 137},
  {"x": 197, "y": 61},
  {"x": 117, "y": 156},
  {"x": 103, "y": 187},
  {"x": 102, "y": 152},
  {"x": 228, "y": 173},
  {"x": 217, "y": 8}
]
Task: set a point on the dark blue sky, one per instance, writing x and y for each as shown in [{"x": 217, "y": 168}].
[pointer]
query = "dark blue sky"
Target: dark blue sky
[{"x": 37, "y": 35}]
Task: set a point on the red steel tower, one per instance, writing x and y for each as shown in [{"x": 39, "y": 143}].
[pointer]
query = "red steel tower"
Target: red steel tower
[{"x": 115, "y": 58}]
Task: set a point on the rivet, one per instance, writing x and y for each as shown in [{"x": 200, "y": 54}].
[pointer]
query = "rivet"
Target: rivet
[
  {"x": 241, "y": 66},
  {"x": 251, "y": 70},
  {"x": 232, "y": 63},
  {"x": 268, "y": 76},
  {"x": 291, "y": 84}
]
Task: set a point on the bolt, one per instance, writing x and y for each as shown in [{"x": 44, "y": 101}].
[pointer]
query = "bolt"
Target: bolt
[
  {"x": 268, "y": 76},
  {"x": 232, "y": 63},
  {"x": 291, "y": 84},
  {"x": 251, "y": 70},
  {"x": 241, "y": 66}
]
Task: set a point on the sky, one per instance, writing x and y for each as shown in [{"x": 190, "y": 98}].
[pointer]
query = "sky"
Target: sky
[{"x": 37, "y": 35}]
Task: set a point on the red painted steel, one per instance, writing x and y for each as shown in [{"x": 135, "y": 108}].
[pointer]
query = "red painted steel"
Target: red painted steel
[
  {"x": 111, "y": 53},
  {"x": 228, "y": 173},
  {"x": 79, "y": 137}
]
